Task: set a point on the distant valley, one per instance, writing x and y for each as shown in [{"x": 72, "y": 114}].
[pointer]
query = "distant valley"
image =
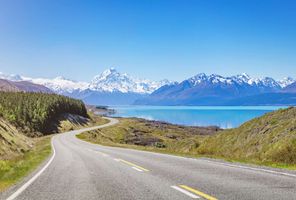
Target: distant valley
[{"x": 114, "y": 88}]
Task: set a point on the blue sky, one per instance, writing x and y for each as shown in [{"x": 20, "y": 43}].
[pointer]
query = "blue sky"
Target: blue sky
[{"x": 156, "y": 39}]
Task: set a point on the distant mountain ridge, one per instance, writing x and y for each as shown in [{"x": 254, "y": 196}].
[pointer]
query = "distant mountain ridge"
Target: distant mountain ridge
[
  {"x": 110, "y": 87},
  {"x": 114, "y": 88},
  {"x": 22, "y": 86},
  {"x": 215, "y": 89}
]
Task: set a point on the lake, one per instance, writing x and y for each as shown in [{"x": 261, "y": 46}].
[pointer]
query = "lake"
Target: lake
[{"x": 222, "y": 116}]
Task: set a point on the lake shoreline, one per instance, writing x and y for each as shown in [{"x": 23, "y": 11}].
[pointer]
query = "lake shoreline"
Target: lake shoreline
[{"x": 198, "y": 116}]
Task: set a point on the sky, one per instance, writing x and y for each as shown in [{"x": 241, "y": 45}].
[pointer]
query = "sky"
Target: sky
[{"x": 154, "y": 39}]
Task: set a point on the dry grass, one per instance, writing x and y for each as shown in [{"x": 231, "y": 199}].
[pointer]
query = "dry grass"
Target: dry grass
[
  {"x": 150, "y": 135},
  {"x": 268, "y": 140}
]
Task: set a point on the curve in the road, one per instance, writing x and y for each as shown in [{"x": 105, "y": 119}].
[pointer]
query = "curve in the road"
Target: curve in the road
[
  {"x": 81, "y": 170},
  {"x": 111, "y": 122}
]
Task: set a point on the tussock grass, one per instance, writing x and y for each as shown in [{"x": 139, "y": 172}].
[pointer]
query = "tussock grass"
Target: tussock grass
[
  {"x": 268, "y": 140},
  {"x": 13, "y": 170},
  {"x": 150, "y": 135}
]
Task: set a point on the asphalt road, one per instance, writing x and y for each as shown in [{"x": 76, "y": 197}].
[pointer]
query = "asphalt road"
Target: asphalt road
[{"x": 80, "y": 170}]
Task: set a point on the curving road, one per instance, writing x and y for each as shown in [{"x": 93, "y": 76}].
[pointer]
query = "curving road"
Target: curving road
[{"x": 80, "y": 170}]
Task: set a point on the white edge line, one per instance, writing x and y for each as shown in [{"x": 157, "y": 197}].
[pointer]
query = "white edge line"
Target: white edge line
[
  {"x": 29, "y": 182},
  {"x": 185, "y": 192},
  {"x": 253, "y": 169},
  {"x": 139, "y": 170},
  {"x": 219, "y": 163}
]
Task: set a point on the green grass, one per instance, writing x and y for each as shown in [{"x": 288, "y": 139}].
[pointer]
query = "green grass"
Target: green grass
[
  {"x": 12, "y": 171},
  {"x": 269, "y": 140},
  {"x": 16, "y": 164},
  {"x": 149, "y": 135}
]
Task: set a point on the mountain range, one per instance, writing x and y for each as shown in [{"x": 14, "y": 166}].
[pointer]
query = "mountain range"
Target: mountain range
[
  {"x": 114, "y": 88},
  {"x": 108, "y": 88},
  {"x": 214, "y": 89},
  {"x": 22, "y": 86}
]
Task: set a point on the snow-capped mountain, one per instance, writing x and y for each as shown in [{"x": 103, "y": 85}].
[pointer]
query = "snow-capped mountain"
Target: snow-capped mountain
[
  {"x": 240, "y": 79},
  {"x": 60, "y": 84},
  {"x": 113, "y": 81},
  {"x": 10, "y": 77},
  {"x": 112, "y": 87},
  {"x": 109, "y": 80},
  {"x": 286, "y": 81},
  {"x": 109, "y": 87},
  {"x": 212, "y": 89}
]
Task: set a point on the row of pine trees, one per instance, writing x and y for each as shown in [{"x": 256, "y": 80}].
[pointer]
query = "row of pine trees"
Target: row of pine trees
[{"x": 35, "y": 111}]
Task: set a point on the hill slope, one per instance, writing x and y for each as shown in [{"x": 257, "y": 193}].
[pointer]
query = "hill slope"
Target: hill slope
[
  {"x": 34, "y": 112},
  {"x": 22, "y": 86},
  {"x": 13, "y": 143},
  {"x": 290, "y": 88},
  {"x": 270, "y": 138}
]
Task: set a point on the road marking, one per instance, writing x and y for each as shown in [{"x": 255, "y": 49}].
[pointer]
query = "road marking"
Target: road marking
[
  {"x": 116, "y": 159},
  {"x": 206, "y": 196},
  {"x": 103, "y": 154},
  {"x": 29, "y": 182},
  {"x": 139, "y": 170},
  {"x": 252, "y": 168},
  {"x": 133, "y": 165},
  {"x": 98, "y": 152},
  {"x": 185, "y": 192}
]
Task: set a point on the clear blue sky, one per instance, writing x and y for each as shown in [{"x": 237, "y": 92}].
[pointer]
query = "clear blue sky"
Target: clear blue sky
[{"x": 156, "y": 39}]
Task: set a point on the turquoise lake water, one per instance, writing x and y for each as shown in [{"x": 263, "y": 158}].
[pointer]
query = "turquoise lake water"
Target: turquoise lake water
[{"x": 222, "y": 116}]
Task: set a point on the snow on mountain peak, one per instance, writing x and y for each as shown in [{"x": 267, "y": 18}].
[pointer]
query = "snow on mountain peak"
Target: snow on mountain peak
[
  {"x": 111, "y": 80},
  {"x": 11, "y": 77},
  {"x": 240, "y": 79},
  {"x": 286, "y": 81},
  {"x": 61, "y": 85}
]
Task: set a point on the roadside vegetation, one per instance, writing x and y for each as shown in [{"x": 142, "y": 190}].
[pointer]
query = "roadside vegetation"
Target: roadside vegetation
[
  {"x": 34, "y": 112},
  {"x": 267, "y": 140},
  {"x": 270, "y": 140},
  {"x": 14, "y": 169},
  {"x": 150, "y": 135},
  {"x": 26, "y": 122}
]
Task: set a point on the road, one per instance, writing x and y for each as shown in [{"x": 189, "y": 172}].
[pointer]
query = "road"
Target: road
[{"x": 81, "y": 170}]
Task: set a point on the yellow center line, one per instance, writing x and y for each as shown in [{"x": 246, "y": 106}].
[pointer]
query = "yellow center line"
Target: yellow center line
[
  {"x": 206, "y": 196},
  {"x": 134, "y": 165}
]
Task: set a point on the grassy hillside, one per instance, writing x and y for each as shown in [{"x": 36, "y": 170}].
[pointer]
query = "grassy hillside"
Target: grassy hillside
[
  {"x": 150, "y": 135},
  {"x": 19, "y": 154},
  {"x": 269, "y": 140},
  {"x": 34, "y": 112},
  {"x": 13, "y": 143},
  {"x": 15, "y": 168}
]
